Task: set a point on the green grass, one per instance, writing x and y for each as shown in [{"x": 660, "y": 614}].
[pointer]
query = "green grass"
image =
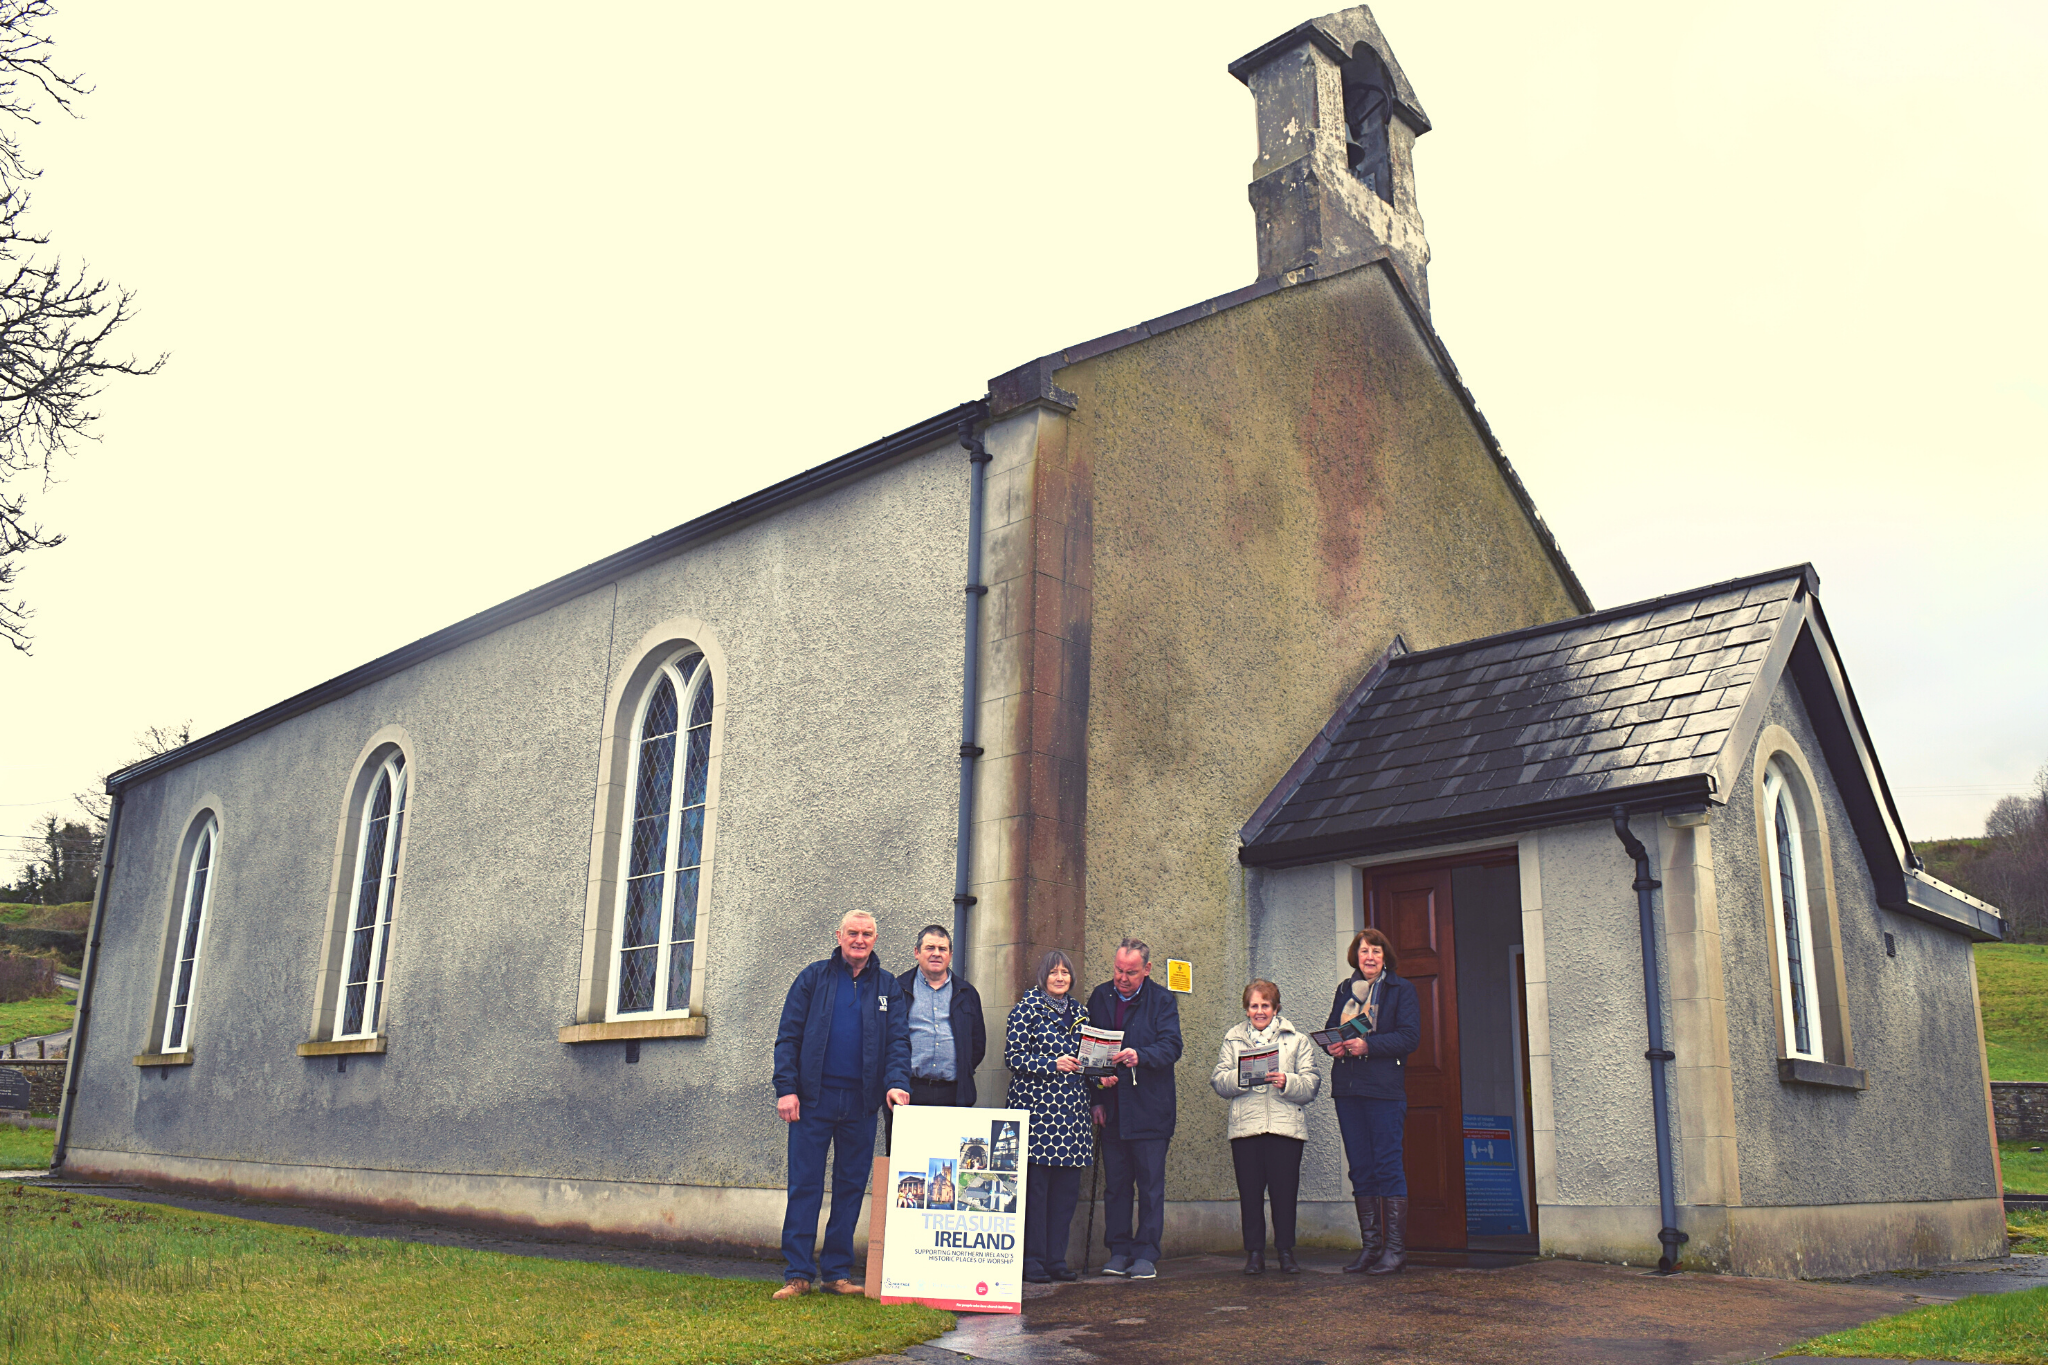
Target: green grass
[
  {"x": 44, "y": 1014},
  {"x": 86, "y": 1279},
  {"x": 2009, "y": 1329},
  {"x": 2012, "y": 983},
  {"x": 72, "y": 916},
  {"x": 25, "y": 1149},
  {"x": 2025, "y": 1172},
  {"x": 2028, "y": 1229}
]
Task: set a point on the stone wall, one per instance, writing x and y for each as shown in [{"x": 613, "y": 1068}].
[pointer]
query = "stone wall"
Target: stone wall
[
  {"x": 2022, "y": 1110},
  {"x": 45, "y": 1082}
]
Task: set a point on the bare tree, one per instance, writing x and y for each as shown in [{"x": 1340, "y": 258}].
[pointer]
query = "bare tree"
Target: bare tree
[
  {"x": 157, "y": 739},
  {"x": 56, "y": 326}
]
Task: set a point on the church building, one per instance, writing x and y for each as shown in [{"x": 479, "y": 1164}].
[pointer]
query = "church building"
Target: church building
[{"x": 1233, "y": 631}]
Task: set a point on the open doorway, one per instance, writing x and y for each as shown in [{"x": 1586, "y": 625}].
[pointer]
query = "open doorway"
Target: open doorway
[{"x": 1456, "y": 927}]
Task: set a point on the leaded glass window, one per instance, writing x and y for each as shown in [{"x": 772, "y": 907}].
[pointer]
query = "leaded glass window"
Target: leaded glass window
[
  {"x": 654, "y": 933},
  {"x": 198, "y": 896},
  {"x": 361, "y": 1004},
  {"x": 1792, "y": 917}
]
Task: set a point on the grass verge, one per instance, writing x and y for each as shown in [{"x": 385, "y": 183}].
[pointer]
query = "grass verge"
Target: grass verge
[
  {"x": 99, "y": 1280},
  {"x": 44, "y": 1014},
  {"x": 26, "y": 1149},
  {"x": 2028, "y": 1229},
  {"x": 2004, "y": 1329},
  {"x": 2012, "y": 982},
  {"x": 2025, "y": 1172},
  {"x": 70, "y": 916}
]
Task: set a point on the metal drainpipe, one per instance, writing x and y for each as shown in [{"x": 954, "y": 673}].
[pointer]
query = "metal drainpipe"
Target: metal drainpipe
[
  {"x": 970, "y": 684},
  {"x": 91, "y": 974},
  {"x": 1658, "y": 1055}
]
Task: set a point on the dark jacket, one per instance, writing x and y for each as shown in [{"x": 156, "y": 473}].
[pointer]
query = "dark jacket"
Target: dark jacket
[
  {"x": 1140, "y": 1105},
  {"x": 806, "y": 1030},
  {"x": 970, "y": 1030},
  {"x": 1379, "y": 1074}
]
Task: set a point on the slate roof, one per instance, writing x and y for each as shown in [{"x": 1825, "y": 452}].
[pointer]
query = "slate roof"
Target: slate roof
[{"x": 1638, "y": 701}]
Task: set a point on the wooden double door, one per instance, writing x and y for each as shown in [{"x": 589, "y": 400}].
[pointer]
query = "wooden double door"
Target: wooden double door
[{"x": 1412, "y": 907}]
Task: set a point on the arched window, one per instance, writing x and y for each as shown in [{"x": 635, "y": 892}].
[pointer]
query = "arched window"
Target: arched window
[
  {"x": 1792, "y": 917},
  {"x": 654, "y": 930},
  {"x": 375, "y": 887},
  {"x": 195, "y": 901}
]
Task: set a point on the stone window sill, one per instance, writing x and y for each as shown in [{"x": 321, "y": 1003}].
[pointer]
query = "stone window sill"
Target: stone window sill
[
  {"x": 330, "y": 1047},
  {"x": 696, "y": 1026},
  {"x": 164, "y": 1059},
  {"x": 1800, "y": 1071}
]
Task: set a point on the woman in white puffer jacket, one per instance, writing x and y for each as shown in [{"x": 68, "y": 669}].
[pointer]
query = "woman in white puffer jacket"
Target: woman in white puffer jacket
[{"x": 1267, "y": 1128}]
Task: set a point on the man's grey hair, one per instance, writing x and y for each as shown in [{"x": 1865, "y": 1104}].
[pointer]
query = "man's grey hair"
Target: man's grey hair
[
  {"x": 1055, "y": 958},
  {"x": 858, "y": 914},
  {"x": 1138, "y": 946},
  {"x": 944, "y": 934}
]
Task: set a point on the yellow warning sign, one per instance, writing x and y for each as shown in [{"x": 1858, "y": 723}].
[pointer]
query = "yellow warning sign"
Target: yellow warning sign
[{"x": 1180, "y": 976}]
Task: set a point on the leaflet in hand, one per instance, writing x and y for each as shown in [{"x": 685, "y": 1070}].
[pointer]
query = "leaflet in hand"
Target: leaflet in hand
[
  {"x": 1330, "y": 1037},
  {"x": 1098, "y": 1045},
  {"x": 1257, "y": 1068}
]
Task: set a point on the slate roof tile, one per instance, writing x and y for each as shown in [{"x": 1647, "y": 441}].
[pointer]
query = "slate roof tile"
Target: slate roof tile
[{"x": 1642, "y": 694}]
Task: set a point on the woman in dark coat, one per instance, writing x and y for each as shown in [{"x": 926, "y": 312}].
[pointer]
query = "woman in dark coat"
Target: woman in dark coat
[
  {"x": 1041, "y": 1047},
  {"x": 1382, "y": 1025}
]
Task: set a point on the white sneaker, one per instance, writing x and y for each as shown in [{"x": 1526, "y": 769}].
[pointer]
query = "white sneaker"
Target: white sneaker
[{"x": 1143, "y": 1270}]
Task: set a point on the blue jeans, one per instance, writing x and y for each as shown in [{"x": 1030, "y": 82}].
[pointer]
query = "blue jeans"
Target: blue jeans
[
  {"x": 838, "y": 1120},
  {"x": 1372, "y": 1145},
  {"x": 1134, "y": 1165}
]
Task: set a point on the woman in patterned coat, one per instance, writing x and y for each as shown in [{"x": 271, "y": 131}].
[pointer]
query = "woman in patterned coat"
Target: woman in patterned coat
[{"x": 1042, "y": 1048}]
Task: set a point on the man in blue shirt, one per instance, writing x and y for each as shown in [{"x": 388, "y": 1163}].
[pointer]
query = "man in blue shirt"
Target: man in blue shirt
[
  {"x": 948, "y": 1036},
  {"x": 841, "y": 1053}
]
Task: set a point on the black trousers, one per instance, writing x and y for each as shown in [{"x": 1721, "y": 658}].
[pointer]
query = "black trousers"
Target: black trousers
[
  {"x": 945, "y": 1093},
  {"x": 1267, "y": 1164},
  {"x": 1050, "y": 1194}
]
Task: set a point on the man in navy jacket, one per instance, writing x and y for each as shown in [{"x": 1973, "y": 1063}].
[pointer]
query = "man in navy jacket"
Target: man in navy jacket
[
  {"x": 1135, "y": 1108},
  {"x": 840, "y": 1054}
]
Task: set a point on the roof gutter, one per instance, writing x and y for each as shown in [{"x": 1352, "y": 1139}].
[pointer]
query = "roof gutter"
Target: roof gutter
[{"x": 667, "y": 545}]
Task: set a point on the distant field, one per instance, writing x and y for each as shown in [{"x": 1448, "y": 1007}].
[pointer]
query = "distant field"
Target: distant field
[
  {"x": 71, "y": 917},
  {"x": 28, "y": 1018},
  {"x": 2012, "y": 981}
]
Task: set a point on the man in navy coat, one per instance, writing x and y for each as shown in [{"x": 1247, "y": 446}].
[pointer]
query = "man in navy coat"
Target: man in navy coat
[
  {"x": 840, "y": 1054},
  {"x": 1135, "y": 1108}
]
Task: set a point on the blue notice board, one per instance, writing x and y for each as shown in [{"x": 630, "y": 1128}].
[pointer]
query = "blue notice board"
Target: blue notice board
[{"x": 1493, "y": 1182}]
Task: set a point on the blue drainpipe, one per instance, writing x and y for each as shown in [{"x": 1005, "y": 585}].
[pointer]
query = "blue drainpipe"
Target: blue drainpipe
[
  {"x": 1658, "y": 1056},
  {"x": 970, "y": 683}
]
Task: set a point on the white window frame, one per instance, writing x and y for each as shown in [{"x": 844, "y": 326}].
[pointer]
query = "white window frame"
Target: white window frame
[
  {"x": 395, "y": 771},
  {"x": 1777, "y": 789},
  {"x": 686, "y": 692},
  {"x": 196, "y": 904}
]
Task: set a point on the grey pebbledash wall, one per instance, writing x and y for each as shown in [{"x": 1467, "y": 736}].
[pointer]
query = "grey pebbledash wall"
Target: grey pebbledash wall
[
  {"x": 836, "y": 790},
  {"x": 1911, "y": 1021}
]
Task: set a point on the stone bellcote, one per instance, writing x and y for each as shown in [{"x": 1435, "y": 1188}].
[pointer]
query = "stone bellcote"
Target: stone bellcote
[{"x": 1334, "y": 185}]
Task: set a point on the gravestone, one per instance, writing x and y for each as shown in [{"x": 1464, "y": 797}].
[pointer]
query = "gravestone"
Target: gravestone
[{"x": 14, "y": 1089}]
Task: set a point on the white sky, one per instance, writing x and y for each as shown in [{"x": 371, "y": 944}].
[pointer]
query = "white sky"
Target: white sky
[{"x": 461, "y": 298}]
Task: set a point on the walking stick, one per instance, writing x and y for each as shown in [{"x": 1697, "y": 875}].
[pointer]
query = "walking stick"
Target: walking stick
[{"x": 1094, "y": 1186}]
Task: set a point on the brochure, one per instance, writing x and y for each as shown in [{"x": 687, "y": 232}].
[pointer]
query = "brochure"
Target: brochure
[
  {"x": 1257, "y": 1068},
  {"x": 1098, "y": 1045}
]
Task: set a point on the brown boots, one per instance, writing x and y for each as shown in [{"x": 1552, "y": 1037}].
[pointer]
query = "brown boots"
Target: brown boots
[
  {"x": 1368, "y": 1232},
  {"x": 1394, "y": 1222},
  {"x": 1383, "y": 1228}
]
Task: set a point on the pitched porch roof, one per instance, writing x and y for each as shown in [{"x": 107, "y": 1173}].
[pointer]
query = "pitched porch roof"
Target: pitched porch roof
[{"x": 1653, "y": 705}]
